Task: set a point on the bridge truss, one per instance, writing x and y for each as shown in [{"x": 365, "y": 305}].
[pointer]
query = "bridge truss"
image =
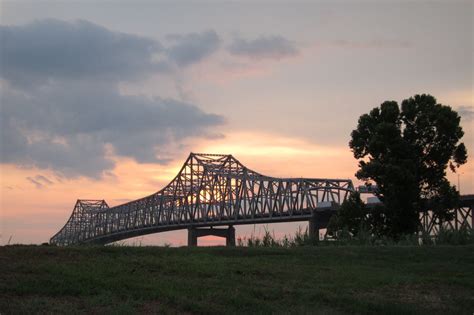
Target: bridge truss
[
  {"x": 209, "y": 190},
  {"x": 463, "y": 217}
]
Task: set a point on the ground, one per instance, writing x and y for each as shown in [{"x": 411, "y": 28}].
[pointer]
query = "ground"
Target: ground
[{"x": 320, "y": 280}]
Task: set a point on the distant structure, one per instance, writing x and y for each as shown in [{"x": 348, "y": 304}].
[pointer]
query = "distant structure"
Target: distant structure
[
  {"x": 210, "y": 190},
  {"x": 214, "y": 190}
]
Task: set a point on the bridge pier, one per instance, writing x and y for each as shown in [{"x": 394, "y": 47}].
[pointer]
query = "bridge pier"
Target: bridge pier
[
  {"x": 319, "y": 220},
  {"x": 314, "y": 225},
  {"x": 194, "y": 233}
]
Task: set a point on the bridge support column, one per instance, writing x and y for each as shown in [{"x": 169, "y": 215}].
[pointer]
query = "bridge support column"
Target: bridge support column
[
  {"x": 230, "y": 239},
  {"x": 194, "y": 233},
  {"x": 192, "y": 237},
  {"x": 314, "y": 226}
]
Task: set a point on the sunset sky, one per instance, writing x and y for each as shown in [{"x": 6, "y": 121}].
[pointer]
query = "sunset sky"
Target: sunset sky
[{"x": 105, "y": 100}]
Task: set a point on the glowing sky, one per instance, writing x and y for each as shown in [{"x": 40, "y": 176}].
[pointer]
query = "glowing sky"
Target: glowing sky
[{"x": 105, "y": 100}]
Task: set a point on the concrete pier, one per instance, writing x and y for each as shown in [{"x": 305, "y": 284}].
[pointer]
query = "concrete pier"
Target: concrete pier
[
  {"x": 314, "y": 226},
  {"x": 320, "y": 218},
  {"x": 227, "y": 233}
]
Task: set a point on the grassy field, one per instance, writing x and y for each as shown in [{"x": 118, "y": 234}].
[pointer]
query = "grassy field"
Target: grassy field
[{"x": 321, "y": 280}]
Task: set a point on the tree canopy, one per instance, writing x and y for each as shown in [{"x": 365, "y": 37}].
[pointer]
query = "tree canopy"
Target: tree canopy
[{"x": 406, "y": 151}]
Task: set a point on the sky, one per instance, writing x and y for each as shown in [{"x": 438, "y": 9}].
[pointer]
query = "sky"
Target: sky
[{"x": 106, "y": 99}]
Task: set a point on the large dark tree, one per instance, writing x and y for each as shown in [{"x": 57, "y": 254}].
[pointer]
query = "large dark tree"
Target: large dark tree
[{"x": 406, "y": 150}]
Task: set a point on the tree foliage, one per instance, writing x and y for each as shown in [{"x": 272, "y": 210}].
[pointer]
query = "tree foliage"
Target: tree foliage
[
  {"x": 406, "y": 150},
  {"x": 355, "y": 217},
  {"x": 351, "y": 217}
]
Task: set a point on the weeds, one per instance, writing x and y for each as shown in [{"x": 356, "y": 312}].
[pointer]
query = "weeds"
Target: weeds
[
  {"x": 463, "y": 236},
  {"x": 363, "y": 238}
]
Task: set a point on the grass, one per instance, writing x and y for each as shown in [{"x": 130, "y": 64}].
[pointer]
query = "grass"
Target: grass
[{"x": 317, "y": 280}]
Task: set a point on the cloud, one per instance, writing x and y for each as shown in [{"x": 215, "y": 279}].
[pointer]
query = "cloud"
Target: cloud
[
  {"x": 374, "y": 43},
  {"x": 69, "y": 126},
  {"x": 35, "y": 182},
  {"x": 191, "y": 48},
  {"x": 466, "y": 112},
  {"x": 39, "y": 181},
  {"x": 44, "y": 179},
  {"x": 46, "y": 49},
  {"x": 61, "y": 105},
  {"x": 263, "y": 47}
]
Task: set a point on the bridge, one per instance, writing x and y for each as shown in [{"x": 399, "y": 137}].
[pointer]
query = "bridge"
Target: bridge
[
  {"x": 215, "y": 190},
  {"x": 210, "y": 190}
]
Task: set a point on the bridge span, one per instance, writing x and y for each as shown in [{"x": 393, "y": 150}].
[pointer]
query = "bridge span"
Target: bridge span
[
  {"x": 210, "y": 190},
  {"x": 215, "y": 190}
]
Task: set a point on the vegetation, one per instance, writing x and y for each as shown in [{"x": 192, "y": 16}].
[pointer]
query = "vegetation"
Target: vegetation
[
  {"x": 354, "y": 222},
  {"x": 315, "y": 279},
  {"x": 406, "y": 150},
  {"x": 268, "y": 240},
  {"x": 354, "y": 218},
  {"x": 359, "y": 237}
]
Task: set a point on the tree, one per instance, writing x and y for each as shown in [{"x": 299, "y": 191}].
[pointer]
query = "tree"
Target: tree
[
  {"x": 406, "y": 150},
  {"x": 351, "y": 217},
  {"x": 354, "y": 217}
]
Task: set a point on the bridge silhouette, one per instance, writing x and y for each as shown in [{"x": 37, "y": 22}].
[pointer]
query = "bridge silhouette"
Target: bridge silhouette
[
  {"x": 215, "y": 190},
  {"x": 210, "y": 190}
]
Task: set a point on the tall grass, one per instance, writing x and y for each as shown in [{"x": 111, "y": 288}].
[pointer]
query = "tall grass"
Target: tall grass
[
  {"x": 363, "y": 238},
  {"x": 463, "y": 236},
  {"x": 301, "y": 238}
]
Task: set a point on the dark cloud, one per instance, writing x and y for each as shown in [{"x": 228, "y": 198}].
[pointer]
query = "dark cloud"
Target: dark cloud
[
  {"x": 43, "y": 179},
  {"x": 35, "y": 182},
  {"x": 191, "y": 48},
  {"x": 39, "y": 181},
  {"x": 263, "y": 47},
  {"x": 466, "y": 112},
  {"x": 68, "y": 127},
  {"x": 62, "y": 108},
  {"x": 57, "y": 49}
]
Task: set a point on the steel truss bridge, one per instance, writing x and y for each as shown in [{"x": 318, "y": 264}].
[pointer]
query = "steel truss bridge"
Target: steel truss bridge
[
  {"x": 213, "y": 190},
  {"x": 209, "y": 190}
]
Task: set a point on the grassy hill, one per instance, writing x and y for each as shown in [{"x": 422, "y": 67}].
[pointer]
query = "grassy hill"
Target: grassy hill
[{"x": 325, "y": 280}]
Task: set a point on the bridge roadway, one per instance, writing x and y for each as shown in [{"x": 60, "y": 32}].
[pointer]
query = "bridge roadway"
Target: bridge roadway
[{"x": 214, "y": 190}]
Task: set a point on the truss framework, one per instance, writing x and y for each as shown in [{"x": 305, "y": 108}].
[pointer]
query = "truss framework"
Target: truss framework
[
  {"x": 463, "y": 218},
  {"x": 210, "y": 189}
]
